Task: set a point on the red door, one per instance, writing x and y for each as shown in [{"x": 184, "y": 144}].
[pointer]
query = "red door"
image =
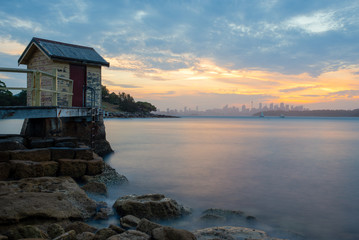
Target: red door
[{"x": 78, "y": 74}]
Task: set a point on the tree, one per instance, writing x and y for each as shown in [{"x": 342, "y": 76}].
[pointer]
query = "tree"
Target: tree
[
  {"x": 146, "y": 107},
  {"x": 8, "y": 99}
]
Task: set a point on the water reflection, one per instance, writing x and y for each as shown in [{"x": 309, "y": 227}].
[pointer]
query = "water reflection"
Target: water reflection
[{"x": 299, "y": 174}]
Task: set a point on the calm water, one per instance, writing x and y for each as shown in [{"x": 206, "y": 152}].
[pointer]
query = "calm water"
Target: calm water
[
  {"x": 294, "y": 174},
  {"x": 298, "y": 176}
]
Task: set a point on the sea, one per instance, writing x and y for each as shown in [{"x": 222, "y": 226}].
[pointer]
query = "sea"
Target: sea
[{"x": 298, "y": 176}]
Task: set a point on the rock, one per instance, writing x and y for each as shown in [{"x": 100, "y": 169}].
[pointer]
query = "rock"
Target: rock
[
  {"x": 129, "y": 221},
  {"x": 228, "y": 232},
  {"x": 72, "y": 167},
  {"x": 4, "y": 156},
  {"x": 150, "y": 206},
  {"x": 85, "y": 236},
  {"x": 117, "y": 229},
  {"x": 147, "y": 226},
  {"x": 104, "y": 233},
  {"x": 71, "y": 235},
  {"x": 12, "y": 143},
  {"x": 25, "y": 232},
  {"x": 66, "y": 145},
  {"x": 83, "y": 153},
  {"x": 41, "y": 143},
  {"x": 95, "y": 187},
  {"x": 59, "y": 140},
  {"x": 36, "y": 154},
  {"x": 4, "y": 170},
  {"x": 95, "y": 166},
  {"x": 102, "y": 147},
  {"x": 54, "y": 230},
  {"x": 215, "y": 214},
  {"x": 2, "y": 237},
  {"x": 109, "y": 176},
  {"x": 80, "y": 227},
  {"x": 44, "y": 198},
  {"x": 131, "y": 235},
  {"x": 62, "y": 153},
  {"x": 164, "y": 233},
  {"x": 26, "y": 169},
  {"x": 50, "y": 168}
]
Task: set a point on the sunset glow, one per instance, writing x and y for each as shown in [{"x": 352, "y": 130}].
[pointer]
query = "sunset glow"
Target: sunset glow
[{"x": 205, "y": 54}]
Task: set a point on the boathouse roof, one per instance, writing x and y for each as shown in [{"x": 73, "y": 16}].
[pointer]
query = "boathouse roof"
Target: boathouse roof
[{"x": 62, "y": 52}]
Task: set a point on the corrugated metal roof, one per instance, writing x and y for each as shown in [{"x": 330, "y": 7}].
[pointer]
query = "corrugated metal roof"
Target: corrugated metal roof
[{"x": 66, "y": 52}]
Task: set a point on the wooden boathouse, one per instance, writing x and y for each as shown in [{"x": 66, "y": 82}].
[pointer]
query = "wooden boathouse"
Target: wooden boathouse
[{"x": 63, "y": 91}]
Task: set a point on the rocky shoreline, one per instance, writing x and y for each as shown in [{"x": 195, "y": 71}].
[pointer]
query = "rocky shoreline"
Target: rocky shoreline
[{"x": 44, "y": 191}]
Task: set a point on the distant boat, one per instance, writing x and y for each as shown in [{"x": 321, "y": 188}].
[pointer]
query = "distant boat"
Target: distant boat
[
  {"x": 262, "y": 115},
  {"x": 282, "y": 116}
]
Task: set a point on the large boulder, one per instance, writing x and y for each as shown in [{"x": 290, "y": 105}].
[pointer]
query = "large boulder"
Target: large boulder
[
  {"x": 164, "y": 233},
  {"x": 11, "y": 143},
  {"x": 45, "y": 198},
  {"x": 36, "y": 154},
  {"x": 229, "y": 232},
  {"x": 27, "y": 231},
  {"x": 80, "y": 227},
  {"x": 95, "y": 188},
  {"x": 150, "y": 206},
  {"x": 72, "y": 167},
  {"x": 4, "y": 170},
  {"x": 109, "y": 175},
  {"x": 131, "y": 235}
]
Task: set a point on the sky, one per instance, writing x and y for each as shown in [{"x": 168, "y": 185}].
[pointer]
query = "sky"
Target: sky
[{"x": 204, "y": 54}]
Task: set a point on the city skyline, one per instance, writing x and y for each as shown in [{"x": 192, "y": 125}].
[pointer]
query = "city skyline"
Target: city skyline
[
  {"x": 233, "y": 110},
  {"x": 212, "y": 53}
]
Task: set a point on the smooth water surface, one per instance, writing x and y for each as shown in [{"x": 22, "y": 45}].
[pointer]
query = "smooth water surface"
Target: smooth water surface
[{"x": 294, "y": 174}]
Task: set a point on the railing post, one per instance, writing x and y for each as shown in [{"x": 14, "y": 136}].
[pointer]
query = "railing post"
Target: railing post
[
  {"x": 38, "y": 89},
  {"x": 71, "y": 89},
  {"x": 54, "y": 88}
]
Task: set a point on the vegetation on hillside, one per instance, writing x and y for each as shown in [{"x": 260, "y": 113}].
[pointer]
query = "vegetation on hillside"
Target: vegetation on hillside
[
  {"x": 8, "y": 99},
  {"x": 126, "y": 102}
]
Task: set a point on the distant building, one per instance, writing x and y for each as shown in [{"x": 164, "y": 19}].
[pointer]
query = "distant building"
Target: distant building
[{"x": 79, "y": 63}]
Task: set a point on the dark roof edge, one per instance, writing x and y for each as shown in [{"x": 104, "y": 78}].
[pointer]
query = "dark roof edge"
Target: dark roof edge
[
  {"x": 106, "y": 64},
  {"x": 36, "y": 40}
]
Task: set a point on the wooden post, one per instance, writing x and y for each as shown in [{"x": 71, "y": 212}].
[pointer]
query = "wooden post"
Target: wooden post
[
  {"x": 71, "y": 91},
  {"x": 38, "y": 89},
  {"x": 33, "y": 91},
  {"x": 55, "y": 89}
]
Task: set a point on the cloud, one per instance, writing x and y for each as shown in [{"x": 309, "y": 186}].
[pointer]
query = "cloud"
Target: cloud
[
  {"x": 296, "y": 89},
  {"x": 346, "y": 93},
  {"x": 318, "y": 22},
  {"x": 111, "y": 83},
  {"x": 10, "y": 47},
  {"x": 72, "y": 11},
  {"x": 7, "y": 21}
]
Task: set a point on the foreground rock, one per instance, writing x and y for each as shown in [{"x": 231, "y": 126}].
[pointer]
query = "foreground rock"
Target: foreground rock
[
  {"x": 229, "y": 233},
  {"x": 109, "y": 176},
  {"x": 43, "y": 199},
  {"x": 150, "y": 206}
]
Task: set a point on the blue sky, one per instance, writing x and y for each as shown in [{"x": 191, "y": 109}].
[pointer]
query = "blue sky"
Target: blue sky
[{"x": 205, "y": 53}]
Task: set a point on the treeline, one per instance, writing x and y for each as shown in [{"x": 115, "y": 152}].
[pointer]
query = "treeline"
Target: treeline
[
  {"x": 8, "y": 99},
  {"x": 126, "y": 102}
]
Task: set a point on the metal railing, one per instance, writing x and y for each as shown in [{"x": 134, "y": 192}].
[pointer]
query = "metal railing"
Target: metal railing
[{"x": 36, "y": 88}]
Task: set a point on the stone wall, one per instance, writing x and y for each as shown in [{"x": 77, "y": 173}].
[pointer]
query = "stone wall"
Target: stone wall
[
  {"x": 94, "y": 81},
  {"x": 40, "y": 61}
]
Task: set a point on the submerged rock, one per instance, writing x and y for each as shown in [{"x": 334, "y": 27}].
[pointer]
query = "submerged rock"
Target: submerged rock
[
  {"x": 216, "y": 214},
  {"x": 43, "y": 199},
  {"x": 150, "y": 206},
  {"x": 231, "y": 233}
]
